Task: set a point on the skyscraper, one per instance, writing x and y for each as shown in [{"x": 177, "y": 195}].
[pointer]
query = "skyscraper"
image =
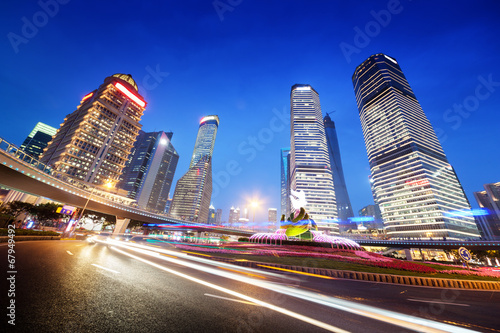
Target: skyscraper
[
  {"x": 38, "y": 139},
  {"x": 489, "y": 199},
  {"x": 309, "y": 160},
  {"x": 372, "y": 211},
  {"x": 285, "y": 181},
  {"x": 234, "y": 216},
  {"x": 94, "y": 142},
  {"x": 344, "y": 208},
  {"x": 211, "y": 215},
  {"x": 413, "y": 183},
  {"x": 150, "y": 170},
  {"x": 272, "y": 218},
  {"x": 193, "y": 191},
  {"x": 218, "y": 216}
]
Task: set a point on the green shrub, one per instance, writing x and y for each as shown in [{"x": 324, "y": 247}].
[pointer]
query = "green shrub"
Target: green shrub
[{"x": 28, "y": 232}]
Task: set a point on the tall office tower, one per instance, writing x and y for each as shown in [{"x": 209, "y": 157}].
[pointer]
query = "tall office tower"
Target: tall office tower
[
  {"x": 344, "y": 208},
  {"x": 218, "y": 216},
  {"x": 413, "y": 183},
  {"x": 94, "y": 142},
  {"x": 150, "y": 170},
  {"x": 272, "y": 218},
  {"x": 211, "y": 215},
  {"x": 285, "y": 181},
  {"x": 168, "y": 205},
  {"x": 489, "y": 199},
  {"x": 309, "y": 160},
  {"x": 38, "y": 139},
  {"x": 194, "y": 190},
  {"x": 234, "y": 216}
]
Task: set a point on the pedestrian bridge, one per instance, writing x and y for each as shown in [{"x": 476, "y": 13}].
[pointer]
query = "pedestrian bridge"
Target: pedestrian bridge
[{"x": 21, "y": 172}]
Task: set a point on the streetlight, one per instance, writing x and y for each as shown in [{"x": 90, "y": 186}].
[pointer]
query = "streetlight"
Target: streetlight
[
  {"x": 108, "y": 184},
  {"x": 254, "y": 205}
]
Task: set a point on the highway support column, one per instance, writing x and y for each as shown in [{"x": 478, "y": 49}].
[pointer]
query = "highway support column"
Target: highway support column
[{"x": 121, "y": 225}]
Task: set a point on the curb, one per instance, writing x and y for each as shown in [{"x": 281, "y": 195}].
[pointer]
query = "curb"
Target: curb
[
  {"x": 376, "y": 277},
  {"x": 4, "y": 239}
]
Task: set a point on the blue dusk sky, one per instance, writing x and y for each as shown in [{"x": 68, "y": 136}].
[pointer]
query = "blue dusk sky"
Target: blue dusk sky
[{"x": 239, "y": 58}]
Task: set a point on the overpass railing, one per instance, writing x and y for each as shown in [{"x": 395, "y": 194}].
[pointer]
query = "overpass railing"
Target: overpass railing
[{"x": 31, "y": 162}]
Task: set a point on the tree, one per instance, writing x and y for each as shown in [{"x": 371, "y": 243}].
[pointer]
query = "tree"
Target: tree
[
  {"x": 16, "y": 208},
  {"x": 45, "y": 212}
]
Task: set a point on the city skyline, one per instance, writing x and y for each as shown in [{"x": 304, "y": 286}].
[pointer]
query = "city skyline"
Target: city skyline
[{"x": 199, "y": 60}]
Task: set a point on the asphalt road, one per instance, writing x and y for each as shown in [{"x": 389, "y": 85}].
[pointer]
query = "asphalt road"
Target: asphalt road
[{"x": 74, "y": 286}]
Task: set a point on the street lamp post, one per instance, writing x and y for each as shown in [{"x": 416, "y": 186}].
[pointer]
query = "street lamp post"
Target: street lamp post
[
  {"x": 254, "y": 206},
  {"x": 108, "y": 184}
]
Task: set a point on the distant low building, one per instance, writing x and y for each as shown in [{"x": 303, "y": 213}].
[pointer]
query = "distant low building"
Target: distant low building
[
  {"x": 371, "y": 211},
  {"x": 489, "y": 199}
]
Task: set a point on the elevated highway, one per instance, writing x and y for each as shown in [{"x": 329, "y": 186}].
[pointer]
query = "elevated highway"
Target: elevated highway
[{"x": 23, "y": 173}]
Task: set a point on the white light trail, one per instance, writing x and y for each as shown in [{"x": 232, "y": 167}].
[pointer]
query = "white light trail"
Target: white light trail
[
  {"x": 434, "y": 301},
  {"x": 107, "y": 269},
  {"x": 230, "y": 299},
  {"x": 239, "y": 295},
  {"x": 391, "y": 317}
]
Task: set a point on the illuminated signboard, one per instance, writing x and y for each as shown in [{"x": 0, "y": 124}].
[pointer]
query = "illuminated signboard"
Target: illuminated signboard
[
  {"x": 207, "y": 118},
  {"x": 417, "y": 182},
  {"x": 86, "y": 97},
  {"x": 129, "y": 94},
  {"x": 66, "y": 210}
]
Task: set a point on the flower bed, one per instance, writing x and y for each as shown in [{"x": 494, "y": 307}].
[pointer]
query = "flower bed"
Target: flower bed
[
  {"x": 360, "y": 257},
  {"x": 486, "y": 273}
]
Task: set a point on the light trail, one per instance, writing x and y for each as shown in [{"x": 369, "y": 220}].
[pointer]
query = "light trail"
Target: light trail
[
  {"x": 435, "y": 301},
  {"x": 239, "y": 295},
  {"x": 297, "y": 272},
  {"x": 391, "y": 317},
  {"x": 107, "y": 269},
  {"x": 230, "y": 299}
]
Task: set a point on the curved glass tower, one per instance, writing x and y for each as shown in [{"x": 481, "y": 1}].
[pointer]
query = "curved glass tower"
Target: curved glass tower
[
  {"x": 191, "y": 201},
  {"x": 344, "y": 208},
  {"x": 414, "y": 185}
]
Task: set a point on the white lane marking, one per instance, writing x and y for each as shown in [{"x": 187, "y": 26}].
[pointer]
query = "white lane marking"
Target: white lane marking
[
  {"x": 107, "y": 269},
  {"x": 433, "y": 301},
  {"x": 69, "y": 253},
  {"x": 239, "y": 295},
  {"x": 230, "y": 299}
]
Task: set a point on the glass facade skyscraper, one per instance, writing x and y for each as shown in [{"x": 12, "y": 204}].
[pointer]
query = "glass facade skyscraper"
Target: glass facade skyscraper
[
  {"x": 414, "y": 185},
  {"x": 309, "y": 159},
  {"x": 193, "y": 191},
  {"x": 344, "y": 208},
  {"x": 285, "y": 181},
  {"x": 38, "y": 139},
  {"x": 489, "y": 199},
  {"x": 94, "y": 142},
  {"x": 150, "y": 170}
]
